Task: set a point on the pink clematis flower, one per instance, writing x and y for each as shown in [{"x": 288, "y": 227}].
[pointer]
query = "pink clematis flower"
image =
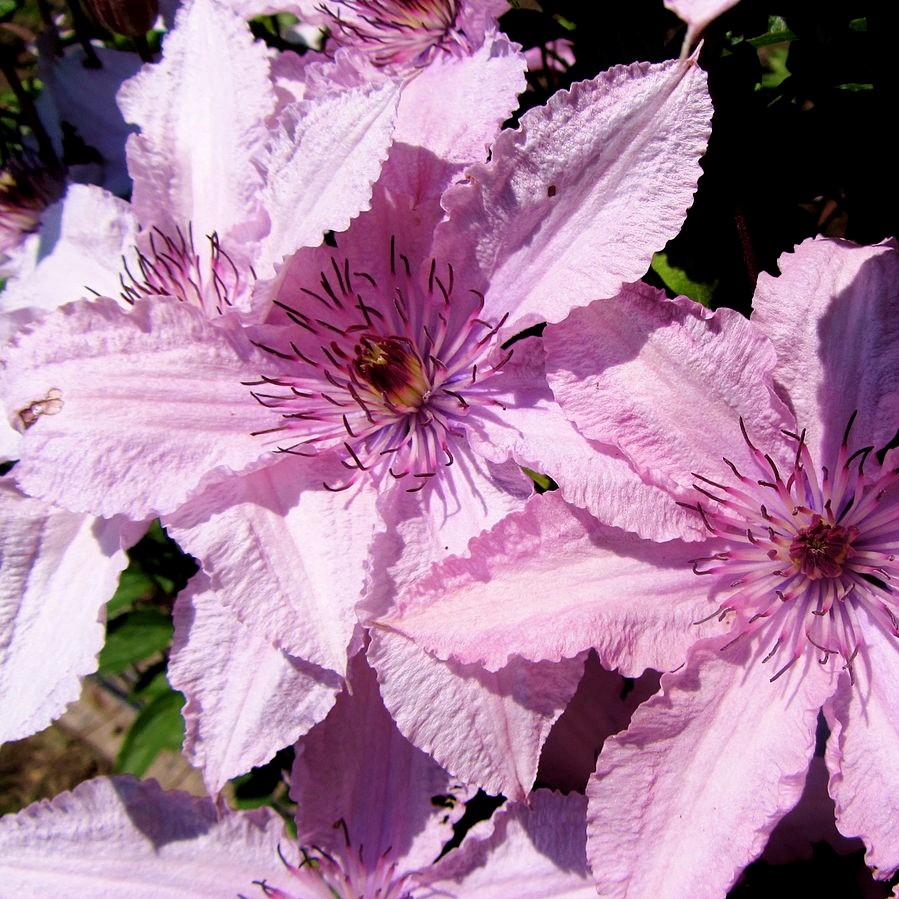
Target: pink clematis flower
[
  {"x": 698, "y": 14},
  {"x": 790, "y": 584},
  {"x": 550, "y": 222},
  {"x": 394, "y": 810}
]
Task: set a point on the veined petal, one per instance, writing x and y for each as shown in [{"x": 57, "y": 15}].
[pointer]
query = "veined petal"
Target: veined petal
[
  {"x": 356, "y": 767},
  {"x": 324, "y": 157},
  {"x": 549, "y": 582},
  {"x": 864, "y": 770},
  {"x": 149, "y": 402},
  {"x": 58, "y": 571},
  {"x": 201, "y": 111},
  {"x": 532, "y": 427},
  {"x": 666, "y": 381},
  {"x": 687, "y": 796},
  {"x": 127, "y": 838},
  {"x": 285, "y": 555},
  {"x": 535, "y": 851},
  {"x": 575, "y": 201},
  {"x": 842, "y": 353},
  {"x": 246, "y": 699},
  {"x": 82, "y": 241},
  {"x": 486, "y": 728}
]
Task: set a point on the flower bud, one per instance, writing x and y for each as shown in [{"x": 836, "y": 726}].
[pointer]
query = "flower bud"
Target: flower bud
[{"x": 131, "y": 18}]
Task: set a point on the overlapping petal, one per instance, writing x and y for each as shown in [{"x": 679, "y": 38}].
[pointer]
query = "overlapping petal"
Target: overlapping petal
[
  {"x": 535, "y": 851},
  {"x": 864, "y": 780},
  {"x": 667, "y": 382},
  {"x": 840, "y": 354},
  {"x": 201, "y": 112},
  {"x": 127, "y": 838},
  {"x": 551, "y": 581},
  {"x": 58, "y": 571},
  {"x": 576, "y": 200},
  {"x": 150, "y": 403},
  {"x": 285, "y": 555},
  {"x": 688, "y": 795},
  {"x": 486, "y": 728},
  {"x": 246, "y": 699},
  {"x": 356, "y": 767}
]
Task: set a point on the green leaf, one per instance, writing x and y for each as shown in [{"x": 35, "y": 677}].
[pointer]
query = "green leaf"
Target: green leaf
[
  {"x": 134, "y": 585},
  {"x": 133, "y": 637},
  {"x": 157, "y": 727},
  {"x": 677, "y": 280}
]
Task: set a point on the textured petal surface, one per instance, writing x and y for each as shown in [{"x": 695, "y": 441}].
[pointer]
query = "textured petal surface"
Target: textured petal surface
[
  {"x": 324, "y": 157},
  {"x": 151, "y": 401},
  {"x": 201, "y": 112},
  {"x": 82, "y": 240},
  {"x": 58, "y": 570},
  {"x": 421, "y": 528},
  {"x": 356, "y": 767},
  {"x": 286, "y": 555},
  {"x": 534, "y": 430},
  {"x": 601, "y": 706},
  {"x": 535, "y": 851},
  {"x": 837, "y": 350},
  {"x": 127, "y": 838},
  {"x": 864, "y": 721},
  {"x": 549, "y": 582},
  {"x": 455, "y": 106},
  {"x": 688, "y": 795},
  {"x": 246, "y": 699},
  {"x": 487, "y": 728},
  {"x": 666, "y": 381},
  {"x": 576, "y": 200}
]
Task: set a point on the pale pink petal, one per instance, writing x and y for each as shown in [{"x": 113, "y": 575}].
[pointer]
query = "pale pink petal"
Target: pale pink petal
[
  {"x": 82, "y": 240},
  {"x": 58, "y": 571},
  {"x": 454, "y": 107},
  {"x": 551, "y": 581},
  {"x": 666, "y": 381},
  {"x": 534, "y": 430},
  {"x": 127, "y": 838},
  {"x": 535, "y": 851},
  {"x": 246, "y": 699},
  {"x": 421, "y": 528},
  {"x": 575, "y": 201},
  {"x": 697, "y": 14},
  {"x": 601, "y": 706},
  {"x": 356, "y": 767},
  {"x": 810, "y": 821},
  {"x": 149, "y": 402},
  {"x": 201, "y": 112},
  {"x": 285, "y": 555},
  {"x": 841, "y": 353},
  {"x": 84, "y": 97},
  {"x": 486, "y": 728},
  {"x": 324, "y": 157},
  {"x": 685, "y": 798},
  {"x": 864, "y": 779}
]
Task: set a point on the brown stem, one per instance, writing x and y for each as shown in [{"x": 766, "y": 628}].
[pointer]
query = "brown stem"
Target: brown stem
[{"x": 83, "y": 32}]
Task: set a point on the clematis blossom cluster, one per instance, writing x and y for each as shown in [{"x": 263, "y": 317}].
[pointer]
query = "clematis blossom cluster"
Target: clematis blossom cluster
[{"x": 343, "y": 323}]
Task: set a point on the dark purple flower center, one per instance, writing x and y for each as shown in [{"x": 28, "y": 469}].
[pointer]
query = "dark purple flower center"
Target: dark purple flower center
[{"x": 821, "y": 549}]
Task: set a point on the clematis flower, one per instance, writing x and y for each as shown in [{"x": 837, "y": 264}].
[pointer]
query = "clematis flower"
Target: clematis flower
[
  {"x": 129, "y": 836},
  {"x": 286, "y": 554},
  {"x": 790, "y": 586},
  {"x": 698, "y": 14}
]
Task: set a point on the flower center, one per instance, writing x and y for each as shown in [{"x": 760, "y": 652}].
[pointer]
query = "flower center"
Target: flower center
[
  {"x": 388, "y": 369},
  {"x": 394, "y": 371},
  {"x": 801, "y": 557},
  {"x": 397, "y": 32},
  {"x": 27, "y": 188},
  {"x": 821, "y": 549}
]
